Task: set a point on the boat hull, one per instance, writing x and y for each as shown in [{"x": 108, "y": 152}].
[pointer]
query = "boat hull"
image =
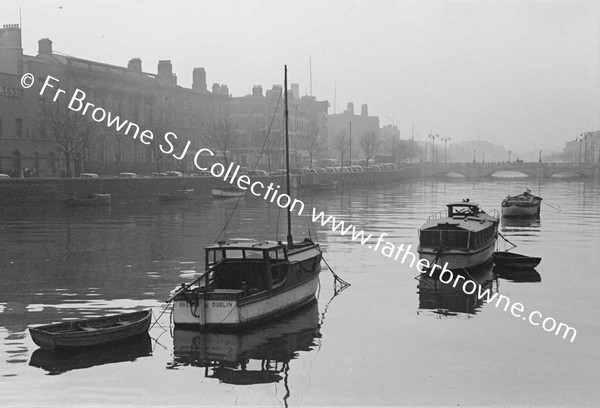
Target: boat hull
[
  {"x": 93, "y": 200},
  {"x": 458, "y": 259},
  {"x": 224, "y": 309},
  {"x": 91, "y": 332},
  {"x": 218, "y": 193},
  {"x": 517, "y": 211}
]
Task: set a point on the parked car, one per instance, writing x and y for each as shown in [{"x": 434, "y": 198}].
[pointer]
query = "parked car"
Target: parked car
[
  {"x": 127, "y": 175},
  {"x": 279, "y": 172},
  {"x": 357, "y": 169},
  {"x": 174, "y": 174},
  {"x": 4, "y": 176},
  {"x": 88, "y": 175},
  {"x": 320, "y": 170},
  {"x": 258, "y": 173}
]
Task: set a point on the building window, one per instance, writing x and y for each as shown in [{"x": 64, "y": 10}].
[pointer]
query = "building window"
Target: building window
[{"x": 19, "y": 128}]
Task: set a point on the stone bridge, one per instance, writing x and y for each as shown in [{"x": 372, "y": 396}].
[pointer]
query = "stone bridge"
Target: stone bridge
[{"x": 534, "y": 170}]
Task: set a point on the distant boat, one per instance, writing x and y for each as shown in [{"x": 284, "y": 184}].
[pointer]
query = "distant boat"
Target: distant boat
[
  {"x": 324, "y": 185},
  {"x": 515, "y": 261},
  {"x": 88, "y": 200},
  {"x": 227, "y": 192},
  {"x": 177, "y": 195},
  {"x": 91, "y": 332},
  {"x": 522, "y": 205},
  {"x": 465, "y": 238}
]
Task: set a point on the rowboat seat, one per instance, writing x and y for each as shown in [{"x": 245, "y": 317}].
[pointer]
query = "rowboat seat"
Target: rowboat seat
[{"x": 89, "y": 329}]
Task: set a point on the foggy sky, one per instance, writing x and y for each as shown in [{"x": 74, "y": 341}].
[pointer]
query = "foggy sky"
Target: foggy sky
[{"x": 523, "y": 74}]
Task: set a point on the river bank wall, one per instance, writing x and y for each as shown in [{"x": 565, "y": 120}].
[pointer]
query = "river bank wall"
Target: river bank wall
[{"x": 28, "y": 190}]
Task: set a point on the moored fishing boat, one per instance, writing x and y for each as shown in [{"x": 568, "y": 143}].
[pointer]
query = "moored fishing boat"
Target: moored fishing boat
[
  {"x": 88, "y": 200},
  {"x": 463, "y": 239},
  {"x": 177, "y": 195},
  {"x": 522, "y": 205},
  {"x": 245, "y": 282},
  {"x": 515, "y": 261},
  {"x": 227, "y": 192},
  {"x": 91, "y": 332}
]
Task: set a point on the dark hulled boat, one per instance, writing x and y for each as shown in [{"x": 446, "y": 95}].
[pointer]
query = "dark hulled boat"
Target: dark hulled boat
[
  {"x": 91, "y": 332},
  {"x": 88, "y": 200},
  {"x": 465, "y": 238},
  {"x": 522, "y": 205}
]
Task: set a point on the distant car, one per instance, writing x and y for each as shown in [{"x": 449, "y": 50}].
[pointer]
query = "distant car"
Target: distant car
[
  {"x": 174, "y": 174},
  {"x": 279, "y": 172},
  {"x": 4, "y": 176},
  {"x": 127, "y": 175},
  {"x": 157, "y": 174},
  {"x": 88, "y": 175},
  {"x": 258, "y": 173},
  {"x": 320, "y": 170}
]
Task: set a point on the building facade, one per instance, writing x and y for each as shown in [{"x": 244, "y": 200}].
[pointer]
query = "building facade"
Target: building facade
[
  {"x": 346, "y": 130},
  {"x": 41, "y": 137}
]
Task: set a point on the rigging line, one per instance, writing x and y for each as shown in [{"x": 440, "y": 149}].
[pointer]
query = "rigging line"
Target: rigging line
[
  {"x": 504, "y": 238},
  {"x": 551, "y": 206},
  {"x": 253, "y": 168}
]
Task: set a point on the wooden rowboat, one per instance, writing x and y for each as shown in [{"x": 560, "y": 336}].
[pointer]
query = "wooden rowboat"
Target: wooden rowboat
[
  {"x": 177, "y": 195},
  {"x": 88, "y": 200},
  {"x": 91, "y": 332},
  {"x": 515, "y": 261}
]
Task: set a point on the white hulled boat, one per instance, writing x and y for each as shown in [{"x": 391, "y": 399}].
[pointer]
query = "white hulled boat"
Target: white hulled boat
[
  {"x": 248, "y": 282},
  {"x": 464, "y": 238}
]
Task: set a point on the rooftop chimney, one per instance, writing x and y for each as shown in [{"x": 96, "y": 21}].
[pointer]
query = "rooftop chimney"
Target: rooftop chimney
[
  {"x": 44, "y": 47},
  {"x": 199, "y": 79},
  {"x": 350, "y": 108},
  {"x": 224, "y": 90},
  {"x": 216, "y": 88},
  {"x": 11, "y": 51},
  {"x": 295, "y": 91},
  {"x": 135, "y": 64},
  {"x": 364, "y": 110},
  {"x": 165, "y": 73},
  {"x": 257, "y": 90}
]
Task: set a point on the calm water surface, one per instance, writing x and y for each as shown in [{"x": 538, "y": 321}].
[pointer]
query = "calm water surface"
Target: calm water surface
[{"x": 389, "y": 339}]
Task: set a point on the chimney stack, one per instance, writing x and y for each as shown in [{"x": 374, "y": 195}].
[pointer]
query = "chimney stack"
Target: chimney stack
[
  {"x": 135, "y": 64},
  {"x": 295, "y": 91},
  {"x": 216, "y": 88},
  {"x": 45, "y": 46},
  {"x": 350, "y": 108},
  {"x": 257, "y": 90},
  {"x": 364, "y": 110},
  {"x": 199, "y": 80},
  {"x": 165, "y": 73},
  {"x": 11, "y": 51}
]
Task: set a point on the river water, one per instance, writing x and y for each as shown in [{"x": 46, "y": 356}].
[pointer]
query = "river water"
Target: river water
[{"x": 388, "y": 339}]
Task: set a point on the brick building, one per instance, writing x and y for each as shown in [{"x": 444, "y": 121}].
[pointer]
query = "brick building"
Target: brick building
[{"x": 339, "y": 127}]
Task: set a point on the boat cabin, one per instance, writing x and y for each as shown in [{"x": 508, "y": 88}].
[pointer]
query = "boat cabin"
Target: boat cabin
[
  {"x": 463, "y": 209},
  {"x": 249, "y": 266}
]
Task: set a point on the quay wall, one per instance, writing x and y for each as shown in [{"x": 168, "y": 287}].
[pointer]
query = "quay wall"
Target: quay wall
[{"x": 27, "y": 190}]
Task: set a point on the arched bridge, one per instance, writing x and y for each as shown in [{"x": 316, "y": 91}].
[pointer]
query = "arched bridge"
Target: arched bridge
[{"x": 535, "y": 170}]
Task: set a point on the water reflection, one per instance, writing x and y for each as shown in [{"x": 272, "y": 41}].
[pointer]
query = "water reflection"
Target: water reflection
[
  {"x": 60, "y": 361},
  {"x": 518, "y": 275},
  {"x": 531, "y": 222},
  {"x": 257, "y": 356},
  {"x": 444, "y": 299}
]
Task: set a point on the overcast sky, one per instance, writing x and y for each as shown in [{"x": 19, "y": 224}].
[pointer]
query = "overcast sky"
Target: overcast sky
[{"x": 523, "y": 74}]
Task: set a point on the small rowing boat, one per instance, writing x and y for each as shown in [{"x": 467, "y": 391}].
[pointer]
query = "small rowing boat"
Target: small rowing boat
[
  {"x": 522, "y": 205},
  {"x": 91, "y": 332},
  {"x": 515, "y": 261},
  {"x": 88, "y": 200},
  {"x": 177, "y": 195},
  {"x": 227, "y": 192}
]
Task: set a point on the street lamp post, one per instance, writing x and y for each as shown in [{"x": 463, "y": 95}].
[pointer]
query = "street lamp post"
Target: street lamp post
[
  {"x": 580, "y": 143},
  {"x": 433, "y": 137},
  {"x": 474, "y": 153},
  {"x": 446, "y": 140}
]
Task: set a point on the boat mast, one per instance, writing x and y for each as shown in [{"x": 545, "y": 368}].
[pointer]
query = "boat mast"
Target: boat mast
[{"x": 290, "y": 241}]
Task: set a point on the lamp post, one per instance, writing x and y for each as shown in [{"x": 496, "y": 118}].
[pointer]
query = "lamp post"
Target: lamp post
[
  {"x": 509, "y": 153},
  {"x": 580, "y": 143},
  {"x": 540, "y": 159},
  {"x": 433, "y": 137},
  {"x": 446, "y": 140},
  {"x": 474, "y": 153}
]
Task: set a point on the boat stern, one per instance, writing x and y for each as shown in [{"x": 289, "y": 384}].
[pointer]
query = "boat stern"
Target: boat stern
[{"x": 210, "y": 308}]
